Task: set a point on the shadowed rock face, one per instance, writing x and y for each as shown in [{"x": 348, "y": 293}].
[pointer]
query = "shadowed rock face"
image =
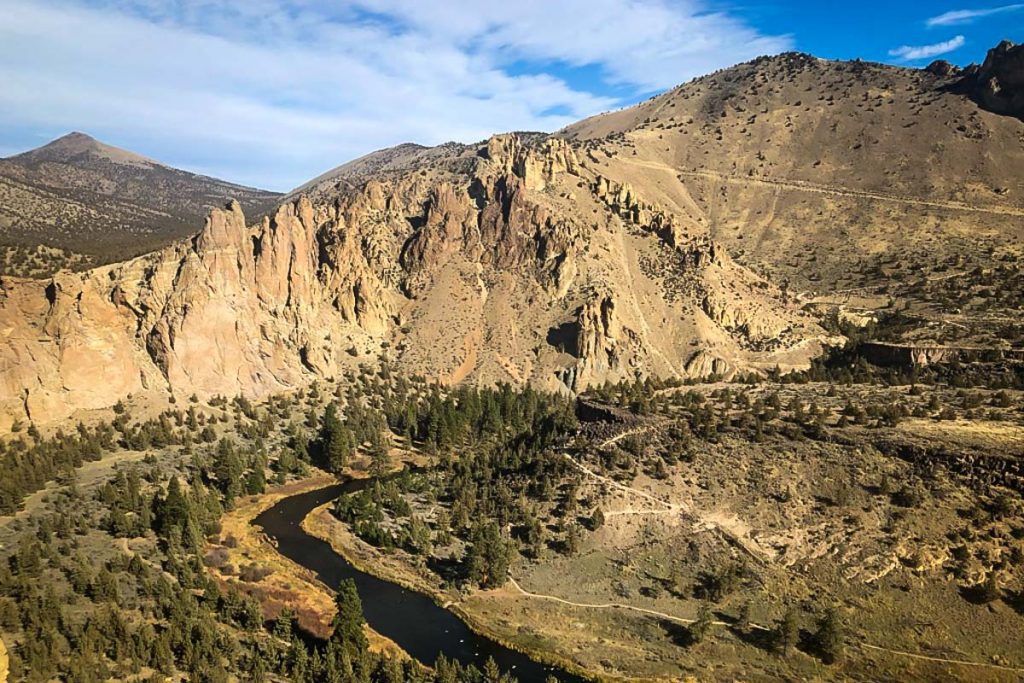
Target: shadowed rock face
[
  {"x": 456, "y": 272},
  {"x": 998, "y": 84}
]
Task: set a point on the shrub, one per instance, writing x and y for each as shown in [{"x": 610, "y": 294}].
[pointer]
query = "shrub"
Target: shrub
[{"x": 254, "y": 573}]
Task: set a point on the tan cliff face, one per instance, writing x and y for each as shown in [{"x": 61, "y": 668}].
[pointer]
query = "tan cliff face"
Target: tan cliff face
[
  {"x": 468, "y": 270},
  {"x": 680, "y": 237}
]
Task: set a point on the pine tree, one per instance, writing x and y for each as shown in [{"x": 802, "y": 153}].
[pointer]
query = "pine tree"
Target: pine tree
[
  {"x": 701, "y": 626},
  {"x": 228, "y": 468},
  {"x": 492, "y": 674},
  {"x": 829, "y": 637},
  {"x": 283, "y": 625},
  {"x": 347, "y": 627},
  {"x": 572, "y": 539},
  {"x": 336, "y": 440},
  {"x": 256, "y": 482},
  {"x": 173, "y": 509},
  {"x": 787, "y": 632},
  {"x": 380, "y": 460}
]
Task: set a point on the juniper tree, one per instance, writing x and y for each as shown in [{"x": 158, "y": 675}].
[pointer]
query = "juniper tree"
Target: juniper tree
[
  {"x": 701, "y": 626},
  {"x": 828, "y": 639},
  {"x": 786, "y": 633}
]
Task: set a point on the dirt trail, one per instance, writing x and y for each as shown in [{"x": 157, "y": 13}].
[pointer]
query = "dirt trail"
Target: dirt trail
[
  {"x": 758, "y": 627},
  {"x": 714, "y": 521},
  {"x": 664, "y": 505},
  {"x": 804, "y": 186},
  {"x": 729, "y": 527}
]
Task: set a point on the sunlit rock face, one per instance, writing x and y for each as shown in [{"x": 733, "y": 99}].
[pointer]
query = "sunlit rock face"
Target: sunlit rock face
[{"x": 457, "y": 270}]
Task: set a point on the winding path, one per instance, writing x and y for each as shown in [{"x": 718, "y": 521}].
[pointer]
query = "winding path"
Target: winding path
[
  {"x": 758, "y": 627},
  {"x": 747, "y": 545},
  {"x": 805, "y": 186},
  {"x": 667, "y": 507},
  {"x": 670, "y": 507}
]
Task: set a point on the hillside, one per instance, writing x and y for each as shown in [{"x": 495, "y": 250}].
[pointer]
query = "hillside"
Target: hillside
[
  {"x": 77, "y": 202},
  {"x": 737, "y": 223},
  {"x": 871, "y": 182},
  {"x": 498, "y": 263}
]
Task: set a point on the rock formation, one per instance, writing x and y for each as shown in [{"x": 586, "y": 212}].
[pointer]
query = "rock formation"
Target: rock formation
[
  {"x": 998, "y": 84},
  {"x": 455, "y": 271}
]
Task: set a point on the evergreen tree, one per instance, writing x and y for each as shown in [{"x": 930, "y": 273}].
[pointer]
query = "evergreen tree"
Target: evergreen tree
[
  {"x": 173, "y": 510},
  {"x": 829, "y": 637},
  {"x": 380, "y": 460},
  {"x": 255, "y": 482},
  {"x": 347, "y": 627},
  {"x": 787, "y": 632},
  {"x": 337, "y": 442},
  {"x": 701, "y": 626}
]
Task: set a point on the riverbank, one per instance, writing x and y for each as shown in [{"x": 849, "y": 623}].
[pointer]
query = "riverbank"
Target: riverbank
[
  {"x": 479, "y": 610},
  {"x": 288, "y": 584}
]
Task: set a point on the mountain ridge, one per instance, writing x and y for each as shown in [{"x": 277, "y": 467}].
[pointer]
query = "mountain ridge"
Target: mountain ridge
[
  {"x": 68, "y": 146},
  {"x": 76, "y": 202},
  {"x": 712, "y": 230}
]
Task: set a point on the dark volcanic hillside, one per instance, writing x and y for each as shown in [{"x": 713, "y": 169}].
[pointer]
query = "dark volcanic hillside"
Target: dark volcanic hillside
[{"x": 77, "y": 202}]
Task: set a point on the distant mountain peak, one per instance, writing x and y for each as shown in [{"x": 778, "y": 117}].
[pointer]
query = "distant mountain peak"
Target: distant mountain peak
[
  {"x": 75, "y": 144},
  {"x": 91, "y": 203},
  {"x": 74, "y": 137}
]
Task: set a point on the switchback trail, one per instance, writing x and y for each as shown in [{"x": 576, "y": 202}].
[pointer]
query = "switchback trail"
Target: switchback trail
[
  {"x": 746, "y": 545},
  {"x": 670, "y": 507}
]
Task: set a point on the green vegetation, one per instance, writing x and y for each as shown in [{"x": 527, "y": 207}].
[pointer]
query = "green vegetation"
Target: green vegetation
[
  {"x": 79, "y": 605},
  {"x": 92, "y": 572},
  {"x": 495, "y": 452}
]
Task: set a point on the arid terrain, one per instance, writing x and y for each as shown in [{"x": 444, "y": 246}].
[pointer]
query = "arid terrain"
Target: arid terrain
[
  {"x": 743, "y": 221},
  {"x": 711, "y": 497},
  {"x": 728, "y": 385},
  {"x": 76, "y": 203}
]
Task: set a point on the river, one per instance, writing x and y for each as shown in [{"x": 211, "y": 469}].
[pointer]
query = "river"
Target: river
[{"x": 412, "y": 620}]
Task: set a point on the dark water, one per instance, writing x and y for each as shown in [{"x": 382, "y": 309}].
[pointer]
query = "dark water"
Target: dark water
[{"x": 418, "y": 625}]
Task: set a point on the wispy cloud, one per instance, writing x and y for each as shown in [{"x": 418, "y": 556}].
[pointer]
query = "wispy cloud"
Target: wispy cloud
[
  {"x": 911, "y": 53},
  {"x": 273, "y": 92},
  {"x": 966, "y": 16}
]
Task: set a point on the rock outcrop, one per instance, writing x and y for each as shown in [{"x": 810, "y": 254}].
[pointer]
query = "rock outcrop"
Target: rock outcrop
[
  {"x": 942, "y": 69},
  {"x": 920, "y": 355},
  {"x": 998, "y": 83},
  {"x": 455, "y": 270}
]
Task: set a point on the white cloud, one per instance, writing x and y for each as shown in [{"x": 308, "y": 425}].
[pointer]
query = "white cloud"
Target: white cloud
[
  {"x": 273, "y": 92},
  {"x": 966, "y": 16},
  {"x": 911, "y": 53},
  {"x": 651, "y": 43}
]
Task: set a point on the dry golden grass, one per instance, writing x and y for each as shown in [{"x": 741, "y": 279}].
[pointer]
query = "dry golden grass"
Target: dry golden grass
[
  {"x": 289, "y": 585},
  {"x": 4, "y": 663},
  {"x": 967, "y": 433},
  {"x": 393, "y": 567}
]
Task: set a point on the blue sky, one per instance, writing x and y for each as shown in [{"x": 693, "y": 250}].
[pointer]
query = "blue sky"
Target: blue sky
[{"x": 273, "y": 92}]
